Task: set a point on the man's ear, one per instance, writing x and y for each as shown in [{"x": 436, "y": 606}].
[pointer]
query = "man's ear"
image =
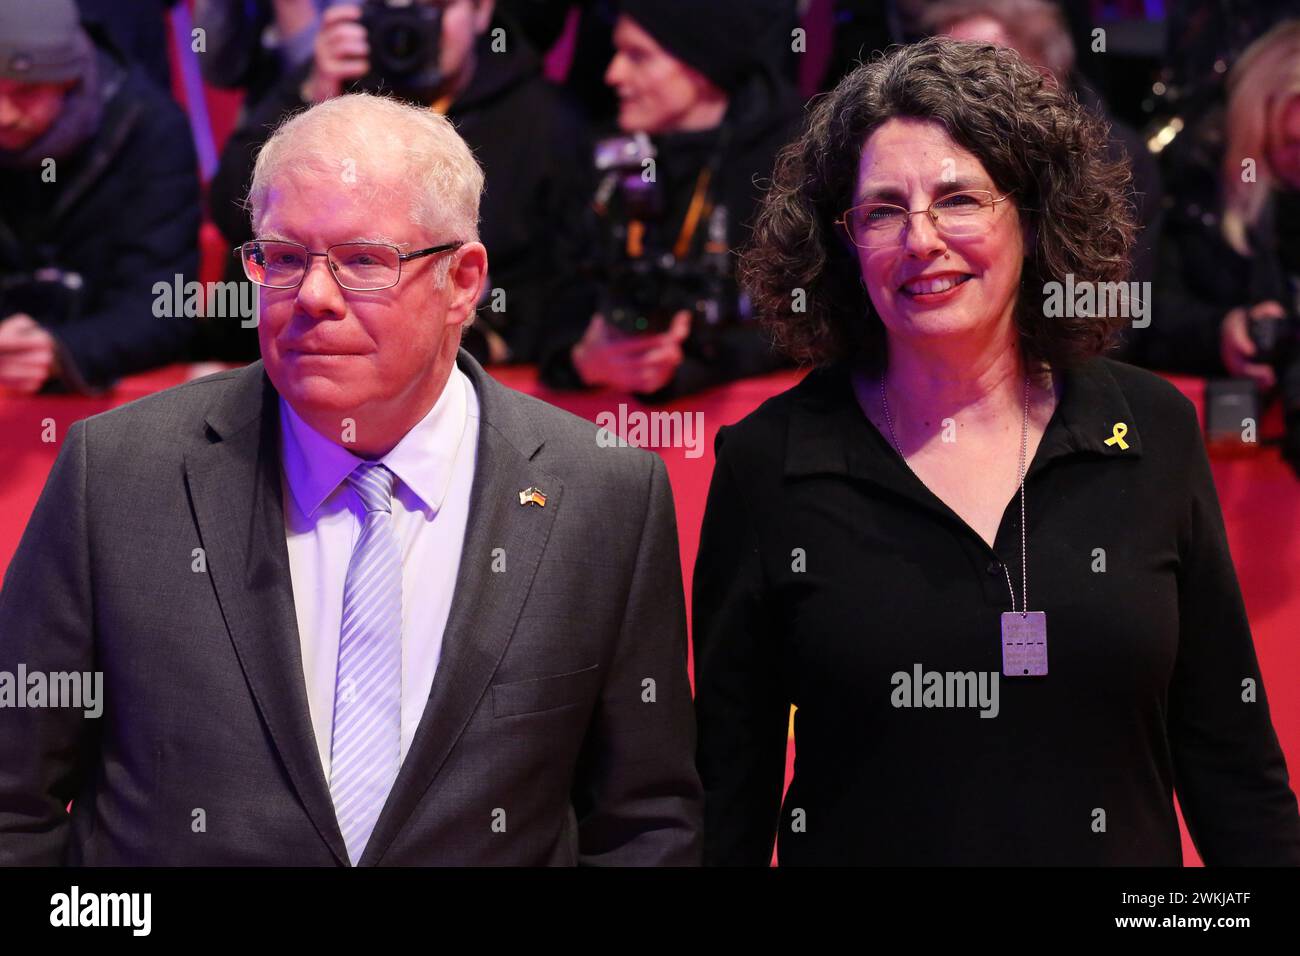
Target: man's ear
[{"x": 466, "y": 276}]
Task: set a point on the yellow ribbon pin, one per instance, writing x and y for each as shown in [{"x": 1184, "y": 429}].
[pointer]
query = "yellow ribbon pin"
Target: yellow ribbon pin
[{"x": 1117, "y": 436}]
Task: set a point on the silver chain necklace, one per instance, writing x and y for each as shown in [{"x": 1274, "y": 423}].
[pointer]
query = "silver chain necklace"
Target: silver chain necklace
[{"x": 1024, "y": 643}]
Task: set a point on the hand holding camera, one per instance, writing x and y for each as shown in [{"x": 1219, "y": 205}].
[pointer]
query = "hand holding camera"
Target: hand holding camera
[
  {"x": 27, "y": 354},
  {"x": 1242, "y": 333},
  {"x": 629, "y": 362},
  {"x": 342, "y": 53},
  {"x": 378, "y": 45}
]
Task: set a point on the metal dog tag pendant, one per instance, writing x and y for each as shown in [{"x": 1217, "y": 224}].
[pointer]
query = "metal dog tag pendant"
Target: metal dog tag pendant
[{"x": 1024, "y": 644}]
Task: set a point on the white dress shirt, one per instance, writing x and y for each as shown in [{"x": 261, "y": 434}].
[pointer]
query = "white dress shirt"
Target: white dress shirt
[{"x": 434, "y": 469}]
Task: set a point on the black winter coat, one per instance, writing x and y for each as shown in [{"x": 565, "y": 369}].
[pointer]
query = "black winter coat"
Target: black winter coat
[{"x": 123, "y": 213}]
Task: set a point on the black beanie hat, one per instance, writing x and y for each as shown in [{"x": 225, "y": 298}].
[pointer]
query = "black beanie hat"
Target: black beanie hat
[{"x": 726, "y": 40}]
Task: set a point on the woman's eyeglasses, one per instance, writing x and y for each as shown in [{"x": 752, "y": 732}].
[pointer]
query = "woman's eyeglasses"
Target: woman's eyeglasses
[
  {"x": 875, "y": 225},
  {"x": 356, "y": 266}
]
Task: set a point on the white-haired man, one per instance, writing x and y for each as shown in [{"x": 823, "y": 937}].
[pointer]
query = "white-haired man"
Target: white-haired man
[{"x": 357, "y": 602}]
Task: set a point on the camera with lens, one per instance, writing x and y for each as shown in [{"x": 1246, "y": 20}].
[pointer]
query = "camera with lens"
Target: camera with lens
[
  {"x": 641, "y": 296},
  {"x": 405, "y": 38},
  {"x": 1277, "y": 343},
  {"x": 642, "y": 288},
  {"x": 50, "y": 295},
  {"x": 1275, "y": 340}
]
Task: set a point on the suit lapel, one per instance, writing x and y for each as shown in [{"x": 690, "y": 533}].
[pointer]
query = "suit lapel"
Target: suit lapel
[
  {"x": 486, "y": 604},
  {"x": 234, "y": 486}
]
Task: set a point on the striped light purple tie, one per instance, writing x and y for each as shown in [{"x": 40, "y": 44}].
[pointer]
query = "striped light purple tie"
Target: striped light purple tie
[{"x": 367, "y": 743}]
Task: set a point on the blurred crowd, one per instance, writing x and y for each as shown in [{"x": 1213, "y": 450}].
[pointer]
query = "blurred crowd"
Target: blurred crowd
[{"x": 626, "y": 145}]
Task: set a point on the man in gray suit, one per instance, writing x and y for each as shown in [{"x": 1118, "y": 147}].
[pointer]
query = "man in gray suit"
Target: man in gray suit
[{"x": 356, "y": 603}]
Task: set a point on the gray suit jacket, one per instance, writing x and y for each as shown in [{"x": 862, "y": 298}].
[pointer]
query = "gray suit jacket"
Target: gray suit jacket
[{"x": 559, "y": 728}]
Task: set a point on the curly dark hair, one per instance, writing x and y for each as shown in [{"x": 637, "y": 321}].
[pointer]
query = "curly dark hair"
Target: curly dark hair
[{"x": 1032, "y": 138}]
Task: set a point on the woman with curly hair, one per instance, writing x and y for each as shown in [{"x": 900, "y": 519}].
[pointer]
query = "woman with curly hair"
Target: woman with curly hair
[{"x": 985, "y": 563}]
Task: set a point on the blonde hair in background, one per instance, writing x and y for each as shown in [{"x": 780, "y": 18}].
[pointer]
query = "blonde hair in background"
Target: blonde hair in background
[
  {"x": 1261, "y": 83},
  {"x": 360, "y": 141}
]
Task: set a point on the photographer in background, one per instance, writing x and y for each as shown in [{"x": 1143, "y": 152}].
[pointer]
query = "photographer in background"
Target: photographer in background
[
  {"x": 460, "y": 58},
  {"x": 1261, "y": 220},
  {"x": 99, "y": 200},
  {"x": 1229, "y": 287},
  {"x": 251, "y": 44},
  {"x": 663, "y": 315}
]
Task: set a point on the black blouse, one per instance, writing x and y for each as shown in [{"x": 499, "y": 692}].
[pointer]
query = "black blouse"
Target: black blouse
[{"x": 826, "y": 567}]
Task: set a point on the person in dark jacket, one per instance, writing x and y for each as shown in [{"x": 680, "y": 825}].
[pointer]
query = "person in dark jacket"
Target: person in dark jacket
[
  {"x": 251, "y": 44},
  {"x": 1232, "y": 263},
  {"x": 1201, "y": 277},
  {"x": 984, "y": 561},
  {"x": 1234, "y": 249},
  {"x": 699, "y": 82},
  {"x": 531, "y": 143},
  {"x": 100, "y": 202}
]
